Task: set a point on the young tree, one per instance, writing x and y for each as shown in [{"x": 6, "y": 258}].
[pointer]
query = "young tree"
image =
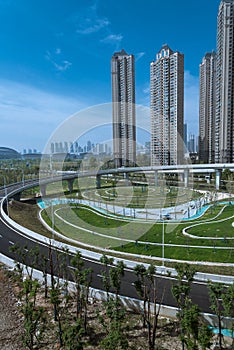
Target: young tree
[
  {"x": 114, "y": 318},
  {"x": 204, "y": 336},
  {"x": 113, "y": 323},
  {"x": 190, "y": 325},
  {"x": 34, "y": 315},
  {"x": 140, "y": 286},
  {"x": 82, "y": 279},
  {"x": 105, "y": 273},
  {"x": 62, "y": 268},
  {"x": 216, "y": 292},
  {"x": 56, "y": 300},
  {"x": 116, "y": 274},
  {"x": 59, "y": 285},
  {"x": 228, "y": 305},
  {"x": 188, "y": 313},
  {"x": 193, "y": 330},
  {"x": 72, "y": 336},
  {"x": 147, "y": 288},
  {"x": 44, "y": 268},
  {"x": 28, "y": 258}
]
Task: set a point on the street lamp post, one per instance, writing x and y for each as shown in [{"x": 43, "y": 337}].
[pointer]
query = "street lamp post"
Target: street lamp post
[
  {"x": 52, "y": 219},
  {"x": 5, "y": 187},
  {"x": 5, "y": 190},
  {"x": 23, "y": 179},
  {"x": 163, "y": 233},
  {"x": 51, "y": 163}
]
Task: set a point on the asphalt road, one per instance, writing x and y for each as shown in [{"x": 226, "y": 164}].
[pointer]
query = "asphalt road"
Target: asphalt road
[{"x": 9, "y": 236}]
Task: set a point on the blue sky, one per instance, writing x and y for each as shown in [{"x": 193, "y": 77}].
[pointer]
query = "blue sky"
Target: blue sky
[{"x": 55, "y": 57}]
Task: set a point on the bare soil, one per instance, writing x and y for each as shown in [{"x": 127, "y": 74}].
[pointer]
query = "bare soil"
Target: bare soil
[
  {"x": 11, "y": 328},
  {"x": 11, "y": 324}
]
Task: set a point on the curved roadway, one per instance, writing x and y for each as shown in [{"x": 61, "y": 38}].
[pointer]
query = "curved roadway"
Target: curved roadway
[{"x": 9, "y": 236}]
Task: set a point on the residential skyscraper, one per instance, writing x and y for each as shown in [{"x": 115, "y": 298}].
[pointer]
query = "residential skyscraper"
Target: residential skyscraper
[
  {"x": 123, "y": 108},
  {"x": 224, "y": 119},
  {"x": 207, "y": 108},
  {"x": 167, "y": 107}
]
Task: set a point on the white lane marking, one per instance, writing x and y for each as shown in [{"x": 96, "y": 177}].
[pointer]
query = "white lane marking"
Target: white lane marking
[{"x": 12, "y": 243}]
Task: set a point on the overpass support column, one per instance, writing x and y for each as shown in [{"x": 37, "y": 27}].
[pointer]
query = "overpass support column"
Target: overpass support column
[
  {"x": 98, "y": 181},
  {"x": 217, "y": 179},
  {"x": 186, "y": 177},
  {"x": 156, "y": 178},
  {"x": 181, "y": 177},
  {"x": 126, "y": 178},
  {"x": 70, "y": 185},
  {"x": 43, "y": 190}
]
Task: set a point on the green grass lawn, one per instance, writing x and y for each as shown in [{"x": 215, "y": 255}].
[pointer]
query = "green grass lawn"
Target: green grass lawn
[
  {"x": 192, "y": 254},
  {"x": 143, "y": 196},
  {"x": 88, "y": 219},
  {"x": 216, "y": 229}
]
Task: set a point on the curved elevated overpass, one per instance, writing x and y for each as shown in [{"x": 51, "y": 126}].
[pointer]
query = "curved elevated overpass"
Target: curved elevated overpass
[{"x": 184, "y": 170}]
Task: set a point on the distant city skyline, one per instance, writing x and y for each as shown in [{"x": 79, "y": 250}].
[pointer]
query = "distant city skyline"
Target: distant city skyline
[{"x": 55, "y": 57}]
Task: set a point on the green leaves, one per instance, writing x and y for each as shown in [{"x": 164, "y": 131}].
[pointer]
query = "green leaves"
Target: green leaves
[
  {"x": 114, "y": 320},
  {"x": 72, "y": 336},
  {"x": 193, "y": 330},
  {"x": 222, "y": 305}
]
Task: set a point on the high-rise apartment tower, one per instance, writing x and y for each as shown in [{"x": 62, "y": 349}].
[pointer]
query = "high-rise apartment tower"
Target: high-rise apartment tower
[
  {"x": 167, "y": 107},
  {"x": 123, "y": 109},
  {"x": 207, "y": 108},
  {"x": 224, "y": 122}
]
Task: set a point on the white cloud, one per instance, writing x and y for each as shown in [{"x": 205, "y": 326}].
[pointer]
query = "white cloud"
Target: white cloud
[
  {"x": 28, "y": 115},
  {"x": 58, "y": 51},
  {"x": 61, "y": 66},
  {"x": 112, "y": 39},
  {"x": 139, "y": 55},
  {"x": 146, "y": 90},
  {"x": 90, "y": 25},
  {"x": 88, "y": 22}
]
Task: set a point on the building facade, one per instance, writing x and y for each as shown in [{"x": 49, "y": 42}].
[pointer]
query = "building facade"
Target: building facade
[
  {"x": 123, "y": 109},
  {"x": 167, "y": 107},
  {"x": 207, "y": 108},
  {"x": 224, "y": 119}
]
